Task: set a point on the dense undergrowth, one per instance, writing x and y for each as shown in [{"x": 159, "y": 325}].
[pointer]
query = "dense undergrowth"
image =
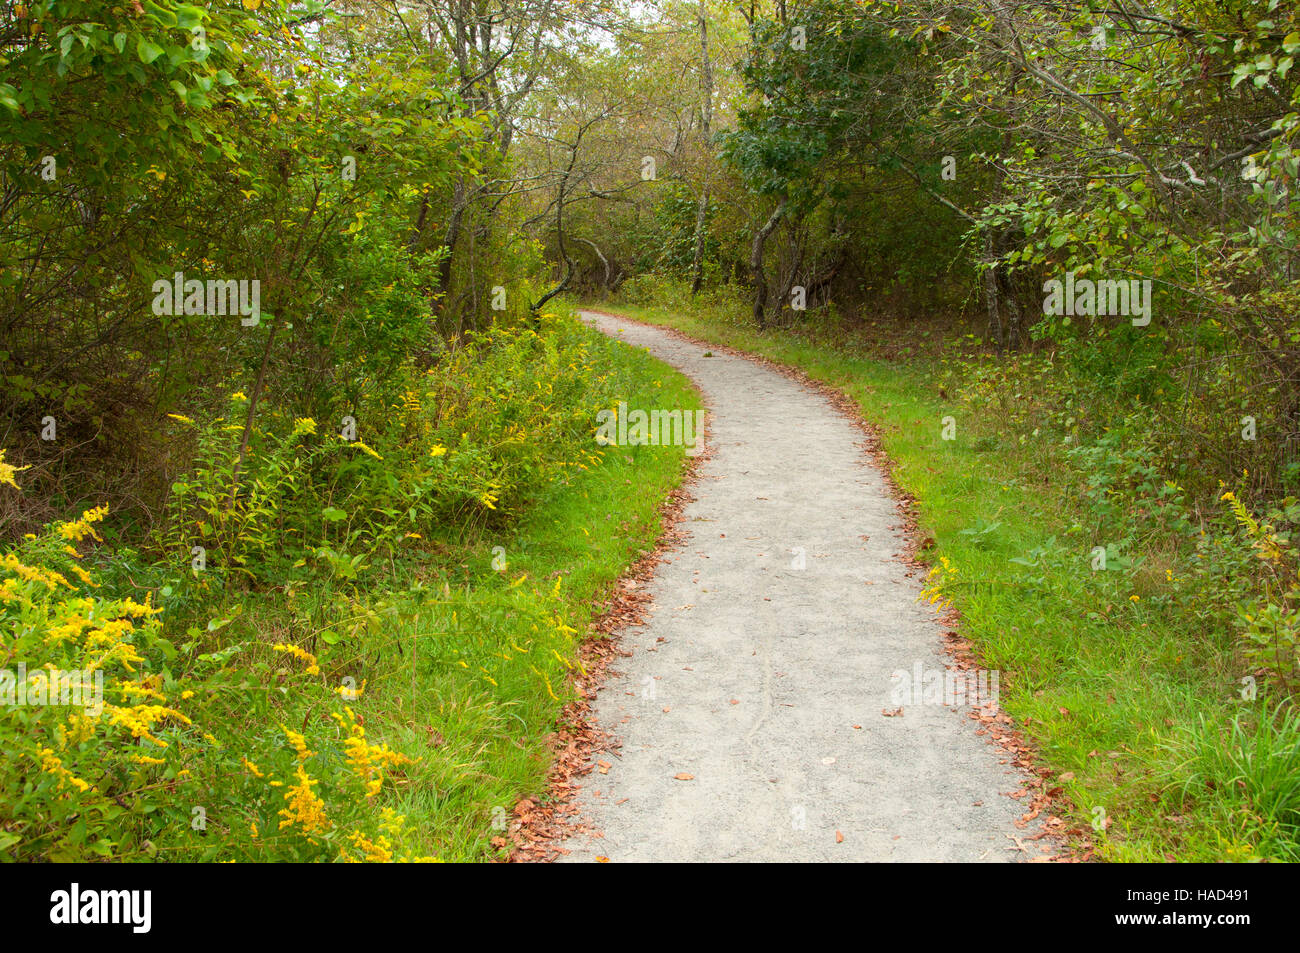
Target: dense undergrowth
[
  {"x": 359, "y": 656},
  {"x": 1142, "y": 613}
]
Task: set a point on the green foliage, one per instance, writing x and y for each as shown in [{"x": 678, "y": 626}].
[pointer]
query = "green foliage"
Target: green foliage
[
  {"x": 245, "y": 693},
  {"x": 1248, "y": 774},
  {"x": 311, "y": 172}
]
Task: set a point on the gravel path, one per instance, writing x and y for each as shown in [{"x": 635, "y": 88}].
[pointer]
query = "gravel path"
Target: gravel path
[{"x": 767, "y": 683}]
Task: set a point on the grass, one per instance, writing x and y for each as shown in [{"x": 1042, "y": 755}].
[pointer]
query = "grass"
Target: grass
[
  {"x": 462, "y": 646},
  {"x": 471, "y": 672},
  {"x": 494, "y": 724},
  {"x": 467, "y": 653},
  {"x": 1136, "y": 716}
]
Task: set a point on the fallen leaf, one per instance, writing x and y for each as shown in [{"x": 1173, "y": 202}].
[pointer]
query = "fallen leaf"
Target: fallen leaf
[
  {"x": 839, "y": 838},
  {"x": 683, "y": 776}
]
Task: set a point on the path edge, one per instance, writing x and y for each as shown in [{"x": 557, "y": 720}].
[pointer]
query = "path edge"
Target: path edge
[
  {"x": 540, "y": 826},
  {"x": 1068, "y": 844}
]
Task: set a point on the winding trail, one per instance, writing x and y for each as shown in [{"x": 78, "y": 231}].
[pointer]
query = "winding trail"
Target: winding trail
[{"x": 768, "y": 683}]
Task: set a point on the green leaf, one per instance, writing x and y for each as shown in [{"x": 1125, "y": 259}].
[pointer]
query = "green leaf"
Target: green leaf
[
  {"x": 148, "y": 51},
  {"x": 188, "y": 17},
  {"x": 119, "y": 40}
]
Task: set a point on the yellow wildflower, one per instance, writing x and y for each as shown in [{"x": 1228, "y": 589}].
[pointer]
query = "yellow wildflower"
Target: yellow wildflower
[
  {"x": 376, "y": 852},
  {"x": 52, "y": 764},
  {"x": 367, "y": 760},
  {"x": 7, "y": 471},
  {"x": 313, "y": 667},
  {"x": 140, "y": 720},
  {"x": 299, "y": 743},
  {"x": 305, "y": 808}
]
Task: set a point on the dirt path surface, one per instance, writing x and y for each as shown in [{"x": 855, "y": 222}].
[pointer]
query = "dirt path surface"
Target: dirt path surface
[{"x": 752, "y": 710}]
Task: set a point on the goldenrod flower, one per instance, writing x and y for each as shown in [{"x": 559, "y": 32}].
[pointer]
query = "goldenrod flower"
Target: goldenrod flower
[
  {"x": 305, "y": 808},
  {"x": 313, "y": 668},
  {"x": 299, "y": 743},
  {"x": 78, "y": 530},
  {"x": 8, "y": 470}
]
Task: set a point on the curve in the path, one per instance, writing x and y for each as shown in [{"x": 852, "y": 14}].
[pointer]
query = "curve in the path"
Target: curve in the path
[{"x": 768, "y": 684}]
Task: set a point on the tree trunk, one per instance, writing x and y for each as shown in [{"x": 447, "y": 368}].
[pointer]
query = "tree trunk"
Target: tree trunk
[
  {"x": 459, "y": 203},
  {"x": 991, "y": 292},
  {"x": 756, "y": 273}
]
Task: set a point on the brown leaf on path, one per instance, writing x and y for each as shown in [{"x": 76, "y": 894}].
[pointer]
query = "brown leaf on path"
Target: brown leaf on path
[
  {"x": 683, "y": 776},
  {"x": 839, "y": 838},
  {"x": 604, "y": 766},
  {"x": 539, "y": 829},
  {"x": 891, "y": 714}
]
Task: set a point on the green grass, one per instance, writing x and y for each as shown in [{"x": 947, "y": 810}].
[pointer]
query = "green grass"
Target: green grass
[
  {"x": 467, "y": 666},
  {"x": 1131, "y": 711}
]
